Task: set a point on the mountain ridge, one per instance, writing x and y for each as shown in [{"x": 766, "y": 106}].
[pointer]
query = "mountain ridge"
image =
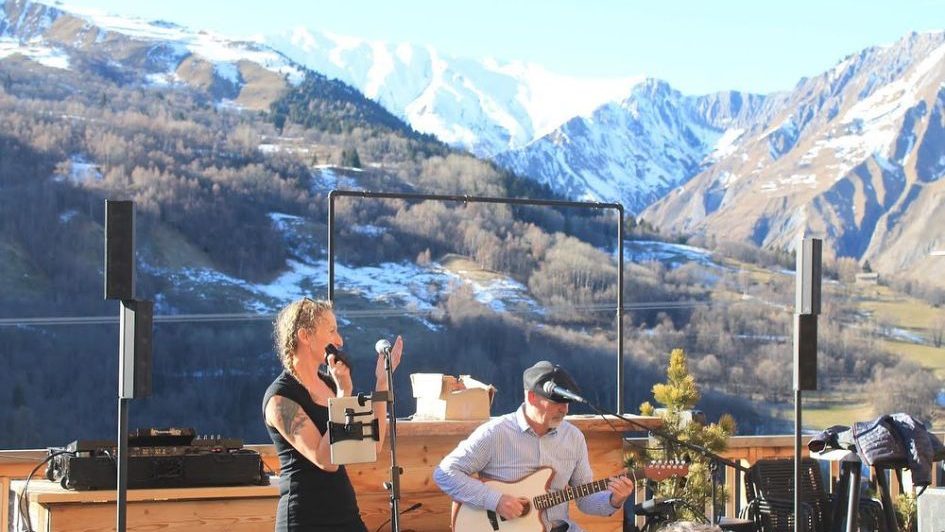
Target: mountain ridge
[
  {"x": 637, "y": 149},
  {"x": 844, "y": 156}
]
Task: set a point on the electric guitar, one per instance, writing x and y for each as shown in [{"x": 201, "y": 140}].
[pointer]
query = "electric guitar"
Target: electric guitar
[{"x": 534, "y": 487}]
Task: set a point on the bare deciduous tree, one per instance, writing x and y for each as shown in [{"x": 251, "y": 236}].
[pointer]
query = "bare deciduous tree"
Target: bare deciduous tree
[
  {"x": 937, "y": 332},
  {"x": 908, "y": 388}
]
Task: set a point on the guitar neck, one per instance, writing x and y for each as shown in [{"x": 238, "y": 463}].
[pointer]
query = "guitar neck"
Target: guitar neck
[{"x": 570, "y": 493}]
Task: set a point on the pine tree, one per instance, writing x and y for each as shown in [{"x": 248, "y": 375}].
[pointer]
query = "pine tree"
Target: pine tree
[
  {"x": 350, "y": 158},
  {"x": 278, "y": 120},
  {"x": 677, "y": 395}
]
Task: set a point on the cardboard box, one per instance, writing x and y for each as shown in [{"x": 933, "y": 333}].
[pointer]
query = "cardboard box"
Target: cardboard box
[{"x": 444, "y": 397}]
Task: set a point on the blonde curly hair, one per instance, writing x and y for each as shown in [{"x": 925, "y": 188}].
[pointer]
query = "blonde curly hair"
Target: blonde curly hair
[{"x": 300, "y": 314}]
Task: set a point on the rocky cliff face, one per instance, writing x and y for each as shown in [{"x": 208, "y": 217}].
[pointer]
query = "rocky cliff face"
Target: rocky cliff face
[{"x": 854, "y": 156}]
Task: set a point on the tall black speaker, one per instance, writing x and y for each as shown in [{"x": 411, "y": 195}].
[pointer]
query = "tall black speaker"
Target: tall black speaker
[
  {"x": 134, "y": 362},
  {"x": 119, "y": 250},
  {"x": 807, "y": 299},
  {"x": 805, "y": 351},
  {"x": 807, "y": 308}
]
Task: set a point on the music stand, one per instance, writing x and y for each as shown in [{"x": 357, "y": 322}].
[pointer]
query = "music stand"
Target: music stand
[{"x": 352, "y": 430}]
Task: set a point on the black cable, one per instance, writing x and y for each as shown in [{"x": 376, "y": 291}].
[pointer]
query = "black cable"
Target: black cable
[
  {"x": 694, "y": 510},
  {"x": 402, "y": 512},
  {"x": 24, "y": 496},
  {"x": 602, "y": 415}
]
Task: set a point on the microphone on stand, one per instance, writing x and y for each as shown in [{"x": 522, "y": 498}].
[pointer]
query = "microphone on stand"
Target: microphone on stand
[
  {"x": 551, "y": 388},
  {"x": 654, "y": 506},
  {"x": 383, "y": 347}
]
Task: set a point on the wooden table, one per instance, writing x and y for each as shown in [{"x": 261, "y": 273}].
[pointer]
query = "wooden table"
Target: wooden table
[
  {"x": 420, "y": 447},
  {"x": 236, "y": 508}
]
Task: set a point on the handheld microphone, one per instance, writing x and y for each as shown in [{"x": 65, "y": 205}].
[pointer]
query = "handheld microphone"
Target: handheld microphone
[
  {"x": 383, "y": 347},
  {"x": 551, "y": 388},
  {"x": 330, "y": 349}
]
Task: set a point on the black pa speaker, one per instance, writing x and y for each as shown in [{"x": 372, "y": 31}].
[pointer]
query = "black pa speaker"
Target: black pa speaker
[
  {"x": 805, "y": 351},
  {"x": 134, "y": 360},
  {"x": 808, "y": 276},
  {"x": 119, "y": 250}
]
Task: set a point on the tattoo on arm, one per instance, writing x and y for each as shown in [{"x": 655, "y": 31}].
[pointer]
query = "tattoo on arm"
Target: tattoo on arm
[{"x": 289, "y": 415}]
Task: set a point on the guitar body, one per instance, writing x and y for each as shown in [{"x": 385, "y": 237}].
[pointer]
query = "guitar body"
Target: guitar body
[
  {"x": 469, "y": 519},
  {"x": 534, "y": 487}
]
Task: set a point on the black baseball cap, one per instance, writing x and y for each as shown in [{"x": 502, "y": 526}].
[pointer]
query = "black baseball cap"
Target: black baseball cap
[{"x": 536, "y": 376}]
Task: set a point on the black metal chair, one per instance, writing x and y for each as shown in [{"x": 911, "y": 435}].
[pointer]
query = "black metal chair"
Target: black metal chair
[{"x": 769, "y": 490}]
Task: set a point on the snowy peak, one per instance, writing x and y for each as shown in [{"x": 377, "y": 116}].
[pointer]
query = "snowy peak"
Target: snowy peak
[
  {"x": 486, "y": 106},
  {"x": 636, "y": 149}
]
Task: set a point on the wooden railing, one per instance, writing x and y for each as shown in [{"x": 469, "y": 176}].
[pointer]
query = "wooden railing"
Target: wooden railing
[{"x": 17, "y": 464}]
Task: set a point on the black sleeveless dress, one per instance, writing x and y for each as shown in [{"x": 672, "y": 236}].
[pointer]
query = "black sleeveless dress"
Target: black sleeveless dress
[{"x": 311, "y": 499}]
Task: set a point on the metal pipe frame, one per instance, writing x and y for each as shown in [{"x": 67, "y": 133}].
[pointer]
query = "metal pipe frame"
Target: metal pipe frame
[{"x": 456, "y": 198}]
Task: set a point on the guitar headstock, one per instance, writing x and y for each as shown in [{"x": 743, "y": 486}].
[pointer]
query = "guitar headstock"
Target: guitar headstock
[{"x": 663, "y": 469}]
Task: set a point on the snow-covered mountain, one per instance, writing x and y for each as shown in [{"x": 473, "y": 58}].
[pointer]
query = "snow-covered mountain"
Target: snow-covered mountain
[
  {"x": 622, "y": 139},
  {"x": 247, "y": 73},
  {"x": 485, "y": 106},
  {"x": 635, "y": 150},
  {"x": 855, "y": 155}
]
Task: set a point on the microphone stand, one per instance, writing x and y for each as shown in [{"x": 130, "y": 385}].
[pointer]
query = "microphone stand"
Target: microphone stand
[
  {"x": 393, "y": 486},
  {"x": 714, "y": 459}
]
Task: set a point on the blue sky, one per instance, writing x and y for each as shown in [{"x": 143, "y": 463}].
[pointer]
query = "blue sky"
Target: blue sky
[{"x": 697, "y": 46}]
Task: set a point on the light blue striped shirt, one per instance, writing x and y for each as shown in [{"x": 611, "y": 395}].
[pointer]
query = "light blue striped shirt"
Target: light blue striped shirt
[{"x": 507, "y": 449}]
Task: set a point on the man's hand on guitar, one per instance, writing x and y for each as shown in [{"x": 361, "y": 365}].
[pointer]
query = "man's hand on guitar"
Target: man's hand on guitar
[
  {"x": 511, "y": 507},
  {"x": 620, "y": 488}
]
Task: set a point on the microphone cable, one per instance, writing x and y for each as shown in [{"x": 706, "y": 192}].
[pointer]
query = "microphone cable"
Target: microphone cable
[
  {"x": 402, "y": 512},
  {"x": 23, "y": 499}
]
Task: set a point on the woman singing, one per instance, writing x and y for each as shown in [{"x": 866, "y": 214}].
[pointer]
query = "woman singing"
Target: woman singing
[{"x": 315, "y": 495}]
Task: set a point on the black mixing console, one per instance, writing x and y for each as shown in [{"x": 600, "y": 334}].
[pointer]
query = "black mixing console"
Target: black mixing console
[{"x": 158, "y": 458}]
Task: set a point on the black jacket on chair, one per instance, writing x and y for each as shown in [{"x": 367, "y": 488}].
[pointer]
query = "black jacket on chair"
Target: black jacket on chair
[{"x": 892, "y": 441}]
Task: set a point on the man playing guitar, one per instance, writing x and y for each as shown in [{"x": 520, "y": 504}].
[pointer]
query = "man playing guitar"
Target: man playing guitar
[{"x": 513, "y": 446}]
